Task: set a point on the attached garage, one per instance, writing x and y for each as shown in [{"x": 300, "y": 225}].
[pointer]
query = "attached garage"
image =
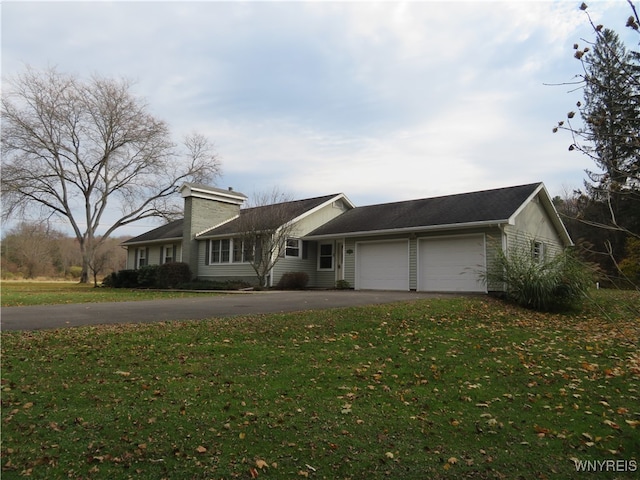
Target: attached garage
[
  {"x": 382, "y": 265},
  {"x": 451, "y": 264}
]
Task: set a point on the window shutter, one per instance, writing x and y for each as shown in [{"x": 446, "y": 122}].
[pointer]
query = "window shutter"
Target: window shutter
[
  {"x": 135, "y": 260},
  {"x": 305, "y": 249},
  {"x": 146, "y": 256},
  {"x": 173, "y": 255},
  {"x": 207, "y": 249}
]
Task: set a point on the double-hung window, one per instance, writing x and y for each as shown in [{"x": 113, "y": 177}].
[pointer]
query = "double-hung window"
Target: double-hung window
[
  {"x": 242, "y": 251},
  {"x": 537, "y": 251},
  {"x": 293, "y": 248},
  {"x": 220, "y": 251},
  {"x": 168, "y": 252},
  {"x": 142, "y": 257},
  {"x": 325, "y": 256}
]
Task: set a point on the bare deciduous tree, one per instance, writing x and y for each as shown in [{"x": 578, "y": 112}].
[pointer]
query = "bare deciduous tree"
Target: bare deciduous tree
[
  {"x": 83, "y": 150},
  {"x": 264, "y": 228}
]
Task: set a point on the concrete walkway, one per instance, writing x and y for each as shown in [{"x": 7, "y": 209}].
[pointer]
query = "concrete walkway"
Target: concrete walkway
[{"x": 195, "y": 308}]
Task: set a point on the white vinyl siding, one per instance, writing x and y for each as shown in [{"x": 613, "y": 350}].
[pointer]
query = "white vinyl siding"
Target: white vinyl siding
[{"x": 533, "y": 225}]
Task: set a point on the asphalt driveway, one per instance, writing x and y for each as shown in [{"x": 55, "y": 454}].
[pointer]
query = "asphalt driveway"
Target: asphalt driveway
[{"x": 195, "y": 308}]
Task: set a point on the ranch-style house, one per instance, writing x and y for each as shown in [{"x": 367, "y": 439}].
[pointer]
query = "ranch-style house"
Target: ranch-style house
[{"x": 439, "y": 244}]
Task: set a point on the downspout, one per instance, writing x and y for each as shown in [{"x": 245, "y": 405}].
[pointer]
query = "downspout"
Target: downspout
[
  {"x": 505, "y": 244},
  {"x": 505, "y": 249}
]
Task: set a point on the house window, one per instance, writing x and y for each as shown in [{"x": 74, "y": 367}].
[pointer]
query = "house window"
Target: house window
[
  {"x": 220, "y": 251},
  {"x": 168, "y": 254},
  {"x": 230, "y": 251},
  {"x": 237, "y": 250},
  {"x": 292, "y": 248},
  {"x": 142, "y": 257},
  {"x": 242, "y": 251},
  {"x": 537, "y": 252},
  {"x": 325, "y": 256}
]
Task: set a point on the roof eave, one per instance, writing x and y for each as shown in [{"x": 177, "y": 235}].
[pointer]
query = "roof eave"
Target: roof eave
[
  {"x": 154, "y": 241},
  {"x": 423, "y": 228}
]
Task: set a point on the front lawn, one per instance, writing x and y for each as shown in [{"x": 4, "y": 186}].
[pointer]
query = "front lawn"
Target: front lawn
[
  {"x": 441, "y": 388},
  {"x": 19, "y": 294}
]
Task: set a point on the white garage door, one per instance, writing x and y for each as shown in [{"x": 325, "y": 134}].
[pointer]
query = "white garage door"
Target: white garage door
[
  {"x": 451, "y": 264},
  {"x": 382, "y": 265}
]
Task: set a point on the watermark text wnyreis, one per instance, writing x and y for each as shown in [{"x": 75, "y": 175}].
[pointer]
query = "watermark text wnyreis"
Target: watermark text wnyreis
[{"x": 609, "y": 465}]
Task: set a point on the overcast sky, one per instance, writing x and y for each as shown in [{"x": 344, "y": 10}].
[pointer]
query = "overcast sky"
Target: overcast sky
[{"x": 383, "y": 101}]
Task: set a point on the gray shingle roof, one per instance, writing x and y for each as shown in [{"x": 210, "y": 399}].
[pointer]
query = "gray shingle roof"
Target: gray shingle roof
[
  {"x": 265, "y": 218},
  {"x": 484, "y": 206},
  {"x": 170, "y": 230}
]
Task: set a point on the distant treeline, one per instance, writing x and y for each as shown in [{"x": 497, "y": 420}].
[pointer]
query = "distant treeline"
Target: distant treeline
[{"x": 33, "y": 250}]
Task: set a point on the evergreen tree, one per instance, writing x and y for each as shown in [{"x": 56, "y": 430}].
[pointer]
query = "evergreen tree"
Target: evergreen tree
[{"x": 611, "y": 116}]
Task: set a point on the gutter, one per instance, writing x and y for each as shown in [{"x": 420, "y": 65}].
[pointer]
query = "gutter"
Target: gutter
[
  {"x": 148, "y": 242},
  {"x": 427, "y": 228}
]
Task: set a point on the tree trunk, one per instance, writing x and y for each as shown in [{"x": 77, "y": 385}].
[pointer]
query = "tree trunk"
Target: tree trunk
[
  {"x": 84, "y": 276},
  {"x": 86, "y": 262}
]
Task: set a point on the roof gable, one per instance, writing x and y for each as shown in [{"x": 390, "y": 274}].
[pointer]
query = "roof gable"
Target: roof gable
[
  {"x": 294, "y": 210},
  {"x": 485, "y": 206}
]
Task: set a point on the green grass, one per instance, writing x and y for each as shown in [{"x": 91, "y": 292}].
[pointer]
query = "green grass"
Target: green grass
[
  {"x": 17, "y": 294},
  {"x": 441, "y": 388}
]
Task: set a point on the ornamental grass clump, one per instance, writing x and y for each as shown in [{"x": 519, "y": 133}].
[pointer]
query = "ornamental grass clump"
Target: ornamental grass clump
[{"x": 557, "y": 283}]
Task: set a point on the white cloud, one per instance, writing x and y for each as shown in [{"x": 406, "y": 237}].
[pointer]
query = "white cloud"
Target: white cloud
[{"x": 381, "y": 100}]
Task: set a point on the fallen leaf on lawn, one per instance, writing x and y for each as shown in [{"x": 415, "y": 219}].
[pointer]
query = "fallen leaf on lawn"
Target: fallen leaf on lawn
[
  {"x": 302, "y": 473},
  {"x": 452, "y": 460},
  {"x": 201, "y": 449},
  {"x": 539, "y": 429},
  {"x": 253, "y": 472},
  {"x": 612, "y": 424},
  {"x": 124, "y": 374},
  {"x": 261, "y": 464},
  {"x": 633, "y": 423},
  {"x": 27, "y": 405},
  {"x": 388, "y": 455}
]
